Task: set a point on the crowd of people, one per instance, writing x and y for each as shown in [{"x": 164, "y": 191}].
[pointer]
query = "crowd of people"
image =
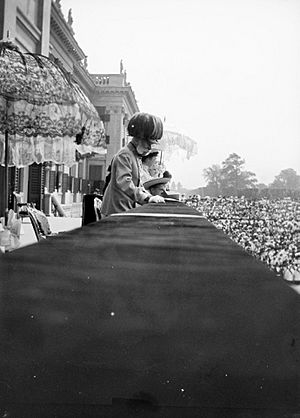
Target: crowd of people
[{"x": 267, "y": 229}]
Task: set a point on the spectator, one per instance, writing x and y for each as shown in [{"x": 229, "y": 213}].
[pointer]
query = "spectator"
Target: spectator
[
  {"x": 157, "y": 187},
  {"x": 267, "y": 229},
  {"x": 149, "y": 166},
  {"x": 125, "y": 189},
  {"x": 168, "y": 176}
]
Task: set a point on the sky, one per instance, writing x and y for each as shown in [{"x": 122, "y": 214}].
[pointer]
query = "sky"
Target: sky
[{"x": 226, "y": 73}]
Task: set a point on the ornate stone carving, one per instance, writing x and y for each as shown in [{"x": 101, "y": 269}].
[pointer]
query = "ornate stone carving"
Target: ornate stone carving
[{"x": 70, "y": 18}]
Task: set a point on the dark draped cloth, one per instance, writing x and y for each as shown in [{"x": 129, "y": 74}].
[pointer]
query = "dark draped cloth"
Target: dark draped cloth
[{"x": 153, "y": 312}]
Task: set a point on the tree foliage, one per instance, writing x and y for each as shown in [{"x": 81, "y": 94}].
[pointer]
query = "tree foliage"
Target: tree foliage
[
  {"x": 230, "y": 177},
  {"x": 286, "y": 179},
  {"x": 213, "y": 177},
  {"x": 179, "y": 187}
]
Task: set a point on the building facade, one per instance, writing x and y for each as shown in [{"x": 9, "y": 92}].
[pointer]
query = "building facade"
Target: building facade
[
  {"x": 39, "y": 26},
  {"x": 115, "y": 102}
]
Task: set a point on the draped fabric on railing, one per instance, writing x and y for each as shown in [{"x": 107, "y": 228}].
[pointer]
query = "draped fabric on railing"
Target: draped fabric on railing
[
  {"x": 42, "y": 110},
  {"x": 175, "y": 140},
  {"x": 38, "y": 133}
]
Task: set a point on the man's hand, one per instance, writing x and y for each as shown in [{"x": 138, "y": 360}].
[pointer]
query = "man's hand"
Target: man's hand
[{"x": 156, "y": 199}]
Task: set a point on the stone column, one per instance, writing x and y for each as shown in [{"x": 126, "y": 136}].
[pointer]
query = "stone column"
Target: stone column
[
  {"x": 115, "y": 131},
  {"x": 45, "y": 36},
  {"x": 9, "y": 23}
]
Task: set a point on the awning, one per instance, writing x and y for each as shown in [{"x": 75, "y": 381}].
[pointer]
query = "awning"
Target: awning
[{"x": 41, "y": 111}]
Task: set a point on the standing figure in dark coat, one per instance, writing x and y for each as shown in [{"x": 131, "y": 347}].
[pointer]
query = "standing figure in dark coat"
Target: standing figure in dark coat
[{"x": 125, "y": 189}]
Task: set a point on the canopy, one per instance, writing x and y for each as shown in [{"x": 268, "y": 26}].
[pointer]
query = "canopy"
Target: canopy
[
  {"x": 93, "y": 138},
  {"x": 174, "y": 140},
  {"x": 41, "y": 111}
]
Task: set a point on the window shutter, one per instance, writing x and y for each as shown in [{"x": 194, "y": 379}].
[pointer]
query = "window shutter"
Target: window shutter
[{"x": 35, "y": 185}]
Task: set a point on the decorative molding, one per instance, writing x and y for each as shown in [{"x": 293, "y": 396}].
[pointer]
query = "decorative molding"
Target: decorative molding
[
  {"x": 70, "y": 21},
  {"x": 82, "y": 76},
  {"x": 125, "y": 92},
  {"x": 58, "y": 3},
  {"x": 65, "y": 33}
]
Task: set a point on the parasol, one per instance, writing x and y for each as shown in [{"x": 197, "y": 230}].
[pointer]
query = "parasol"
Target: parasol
[
  {"x": 173, "y": 140},
  {"x": 41, "y": 111}
]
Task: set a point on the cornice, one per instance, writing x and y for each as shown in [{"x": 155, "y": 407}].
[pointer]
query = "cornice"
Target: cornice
[
  {"x": 126, "y": 92},
  {"x": 63, "y": 31},
  {"x": 111, "y": 89},
  {"x": 84, "y": 76},
  {"x": 132, "y": 101}
]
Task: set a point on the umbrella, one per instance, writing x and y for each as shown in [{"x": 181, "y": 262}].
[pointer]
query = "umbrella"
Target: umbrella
[{"x": 41, "y": 111}]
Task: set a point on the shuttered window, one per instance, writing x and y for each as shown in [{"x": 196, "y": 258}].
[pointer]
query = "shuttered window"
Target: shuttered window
[
  {"x": 35, "y": 184},
  {"x": 52, "y": 181},
  {"x": 65, "y": 182}
]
